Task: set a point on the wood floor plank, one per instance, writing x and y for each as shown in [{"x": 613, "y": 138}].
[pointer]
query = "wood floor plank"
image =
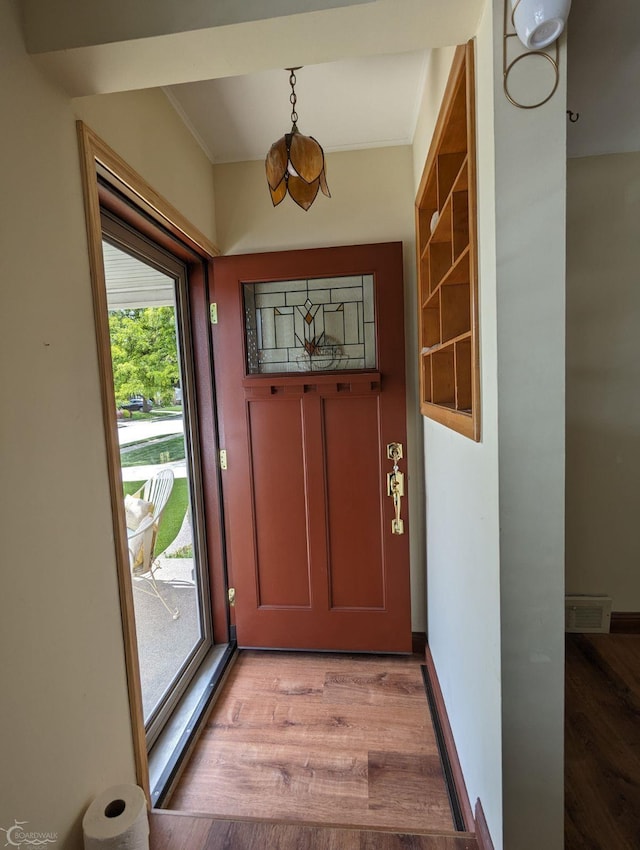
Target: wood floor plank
[
  {"x": 377, "y": 688},
  {"x": 171, "y": 831},
  {"x": 272, "y": 782},
  {"x": 411, "y": 783},
  {"x": 394, "y": 841},
  {"x": 288, "y": 721},
  {"x": 602, "y": 757},
  {"x": 320, "y": 738},
  {"x": 593, "y": 687},
  {"x": 246, "y": 836}
]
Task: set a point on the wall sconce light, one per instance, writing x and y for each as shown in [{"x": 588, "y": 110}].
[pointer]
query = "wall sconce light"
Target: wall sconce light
[
  {"x": 295, "y": 163},
  {"x": 538, "y": 24}
]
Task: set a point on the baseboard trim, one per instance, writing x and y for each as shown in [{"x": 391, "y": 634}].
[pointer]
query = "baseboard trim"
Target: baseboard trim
[
  {"x": 625, "y": 622},
  {"x": 483, "y": 836},
  {"x": 418, "y": 642},
  {"x": 449, "y": 754}
]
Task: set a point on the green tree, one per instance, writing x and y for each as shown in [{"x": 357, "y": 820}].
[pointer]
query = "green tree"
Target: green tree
[{"x": 144, "y": 353}]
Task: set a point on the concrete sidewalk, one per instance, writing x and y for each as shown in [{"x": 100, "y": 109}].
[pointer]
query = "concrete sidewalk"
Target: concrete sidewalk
[
  {"x": 129, "y": 431},
  {"x": 141, "y": 473}
]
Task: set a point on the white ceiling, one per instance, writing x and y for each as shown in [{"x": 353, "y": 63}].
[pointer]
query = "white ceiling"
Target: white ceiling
[
  {"x": 373, "y": 101},
  {"x": 368, "y": 102}
]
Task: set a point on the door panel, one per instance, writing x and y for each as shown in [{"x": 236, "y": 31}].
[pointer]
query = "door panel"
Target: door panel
[
  {"x": 309, "y": 353},
  {"x": 279, "y": 502},
  {"x": 353, "y": 498}
]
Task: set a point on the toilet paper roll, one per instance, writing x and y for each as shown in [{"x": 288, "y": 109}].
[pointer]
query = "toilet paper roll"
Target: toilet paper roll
[{"x": 117, "y": 820}]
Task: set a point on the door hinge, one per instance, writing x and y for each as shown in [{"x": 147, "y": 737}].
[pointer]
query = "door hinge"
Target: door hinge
[
  {"x": 232, "y": 596},
  {"x": 223, "y": 458},
  {"x": 213, "y": 313}
]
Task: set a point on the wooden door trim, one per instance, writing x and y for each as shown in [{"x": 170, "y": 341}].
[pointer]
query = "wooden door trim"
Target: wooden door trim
[
  {"x": 97, "y": 158},
  {"x": 104, "y": 161}
]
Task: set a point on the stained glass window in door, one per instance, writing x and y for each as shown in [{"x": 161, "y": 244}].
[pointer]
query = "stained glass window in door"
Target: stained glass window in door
[{"x": 320, "y": 324}]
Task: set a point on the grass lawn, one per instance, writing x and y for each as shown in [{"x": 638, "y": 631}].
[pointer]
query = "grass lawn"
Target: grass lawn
[
  {"x": 156, "y": 413},
  {"x": 173, "y": 514},
  {"x": 153, "y": 451}
]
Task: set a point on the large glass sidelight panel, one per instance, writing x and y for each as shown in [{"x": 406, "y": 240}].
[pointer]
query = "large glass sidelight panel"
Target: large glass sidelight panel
[{"x": 151, "y": 360}]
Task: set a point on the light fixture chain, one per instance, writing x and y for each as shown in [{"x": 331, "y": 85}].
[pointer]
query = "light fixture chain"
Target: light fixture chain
[{"x": 293, "y": 99}]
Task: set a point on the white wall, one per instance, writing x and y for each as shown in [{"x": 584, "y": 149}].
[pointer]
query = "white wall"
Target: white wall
[
  {"x": 65, "y": 732},
  {"x": 603, "y": 375},
  {"x": 495, "y": 510},
  {"x": 372, "y": 192},
  {"x": 530, "y": 158},
  {"x": 495, "y": 548},
  {"x": 147, "y": 132},
  {"x": 463, "y": 559}
]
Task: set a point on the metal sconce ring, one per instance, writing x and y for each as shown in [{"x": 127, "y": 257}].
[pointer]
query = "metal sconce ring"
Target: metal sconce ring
[
  {"x": 550, "y": 59},
  {"x": 508, "y": 66}
]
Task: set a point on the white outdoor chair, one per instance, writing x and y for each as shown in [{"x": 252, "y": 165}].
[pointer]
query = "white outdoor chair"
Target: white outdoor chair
[{"x": 142, "y": 541}]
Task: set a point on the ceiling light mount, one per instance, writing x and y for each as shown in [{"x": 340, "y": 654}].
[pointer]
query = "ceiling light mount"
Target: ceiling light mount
[{"x": 295, "y": 163}]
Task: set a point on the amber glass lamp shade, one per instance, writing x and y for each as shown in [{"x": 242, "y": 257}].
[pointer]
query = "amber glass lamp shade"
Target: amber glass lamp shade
[{"x": 295, "y": 164}]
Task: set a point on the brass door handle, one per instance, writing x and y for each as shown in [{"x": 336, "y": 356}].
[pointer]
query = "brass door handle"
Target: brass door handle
[{"x": 395, "y": 486}]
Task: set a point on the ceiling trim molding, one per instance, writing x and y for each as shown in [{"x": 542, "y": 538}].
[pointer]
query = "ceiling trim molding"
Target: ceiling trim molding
[
  {"x": 188, "y": 124},
  {"x": 391, "y": 143},
  {"x": 422, "y": 82}
]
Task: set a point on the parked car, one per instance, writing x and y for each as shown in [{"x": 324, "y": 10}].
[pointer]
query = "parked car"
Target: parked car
[{"x": 137, "y": 403}]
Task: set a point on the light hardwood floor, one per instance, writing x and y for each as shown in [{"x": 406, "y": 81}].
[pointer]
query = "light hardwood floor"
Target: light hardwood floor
[
  {"x": 602, "y": 742},
  {"x": 342, "y": 741},
  {"x": 170, "y": 831}
]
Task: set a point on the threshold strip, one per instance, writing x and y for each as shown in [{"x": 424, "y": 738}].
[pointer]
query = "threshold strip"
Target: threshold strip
[
  {"x": 168, "y": 752},
  {"x": 452, "y": 793}
]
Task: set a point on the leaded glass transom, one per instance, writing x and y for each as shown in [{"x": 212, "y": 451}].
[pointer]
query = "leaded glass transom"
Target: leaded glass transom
[{"x": 310, "y": 325}]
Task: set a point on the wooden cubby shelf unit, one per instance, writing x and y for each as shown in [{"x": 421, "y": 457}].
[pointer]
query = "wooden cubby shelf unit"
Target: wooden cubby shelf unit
[{"x": 447, "y": 260}]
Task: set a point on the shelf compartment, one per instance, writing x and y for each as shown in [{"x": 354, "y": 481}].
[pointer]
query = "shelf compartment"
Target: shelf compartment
[
  {"x": 459, "y": 271},
  {"x": 440, "y": 261},
  {"x": 425, "y": 275},
  {"x": 442, "y": 230},
  {"x": 431, "y": 332},
  {"x": 454, "y": 137},
  {"x": 463, "y": 375},
  {"x": 424, "y": 225},
  {"x": 447, "y": 168},
  {"x": 460, "y": 222},
  {"x": 456, "y": 310},
  {"x": 462, "y": 180},
  {"x": 447, "y": 273},
  {"x": 426, "y": 377},
  {"x": 443, "y": 384}
]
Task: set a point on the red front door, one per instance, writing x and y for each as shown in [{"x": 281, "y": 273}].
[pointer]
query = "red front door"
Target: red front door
[{"x": 309, "y": 365}]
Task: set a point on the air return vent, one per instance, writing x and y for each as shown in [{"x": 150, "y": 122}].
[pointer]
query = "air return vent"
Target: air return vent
[{"x": 587, "y": 613}]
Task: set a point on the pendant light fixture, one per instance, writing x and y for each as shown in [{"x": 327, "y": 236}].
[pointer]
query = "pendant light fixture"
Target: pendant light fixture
[{"x": 295, "y": 163}]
